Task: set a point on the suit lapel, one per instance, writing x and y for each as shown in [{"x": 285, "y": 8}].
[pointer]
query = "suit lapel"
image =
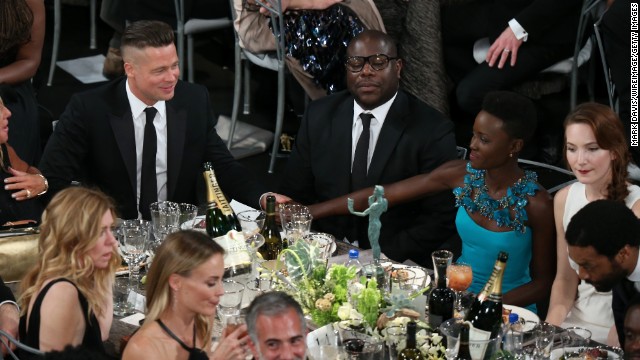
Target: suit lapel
[
  {"x": 340, "y": 136},
  {"x": 392, "y": 129},
  {"x": 122, "y": 124},
  {"x": 176, "y": 134}
]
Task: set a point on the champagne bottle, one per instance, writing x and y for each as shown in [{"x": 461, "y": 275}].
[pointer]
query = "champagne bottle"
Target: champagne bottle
[
  {"x": 442, "y": 298},
  {"x": 485, "y": 315},
  {"x": 463, "y": 346},
  {"x": 410, "y": 352},
  {"x": 220, "y": 218},
  {"x": 273, "y": 243}
]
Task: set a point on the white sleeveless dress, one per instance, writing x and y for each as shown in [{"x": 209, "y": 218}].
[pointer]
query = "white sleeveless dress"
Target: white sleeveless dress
[{"x": 592, "y": 309}]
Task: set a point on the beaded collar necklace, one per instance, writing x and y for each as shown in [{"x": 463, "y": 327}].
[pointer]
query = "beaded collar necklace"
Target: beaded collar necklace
[{"x": 498, "y": 210}]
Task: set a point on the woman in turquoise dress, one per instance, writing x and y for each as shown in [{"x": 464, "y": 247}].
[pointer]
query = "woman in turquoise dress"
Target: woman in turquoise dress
[{"x": 501, "y": 206}]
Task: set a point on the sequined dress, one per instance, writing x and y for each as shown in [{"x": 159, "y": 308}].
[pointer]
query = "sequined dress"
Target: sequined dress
[{"x": 481, "y": 246}]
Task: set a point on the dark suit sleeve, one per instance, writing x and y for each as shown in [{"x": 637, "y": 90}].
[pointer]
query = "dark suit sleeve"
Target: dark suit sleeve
[
  {"x": 5, "y": 292},
  {"x": 298, "y": 178},
  {"x": 623, "y": 292},
  {"x": 235, "y": 179},
  {"x": 543, "y": 14},
  {"x": 434, "y": 224},
  {"x": 66, "y": 148}
]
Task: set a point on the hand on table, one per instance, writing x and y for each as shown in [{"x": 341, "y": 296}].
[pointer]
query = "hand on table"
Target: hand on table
[
  {"x": 25, "y": 185},
  {"x": 505, "y": 45}
]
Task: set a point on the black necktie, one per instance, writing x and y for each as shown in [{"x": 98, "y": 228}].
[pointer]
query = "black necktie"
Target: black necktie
[
  {"x": 148, "y": 179},
  {"x": 359, "y": 168}
]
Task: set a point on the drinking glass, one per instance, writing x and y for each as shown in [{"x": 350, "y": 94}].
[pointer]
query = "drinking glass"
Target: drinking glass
[
  {"x": 544, "y": 333},
  {"x": 292, "y": 217},
  {"x": 460, "y": 276},
  {"x": 121, "y": 290},
  {"x": 165, "y": 218},
  {"x": 231, "y": 300},
  {"x": 251, "y": 222},
  {"x": 188, "y": 213},
  {"x": 325, "y": 242},
  {"x": 134, "y": 242}
]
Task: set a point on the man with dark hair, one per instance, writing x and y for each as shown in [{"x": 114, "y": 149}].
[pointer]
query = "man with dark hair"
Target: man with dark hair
[
  {"x": 375, "y": 133},
  {"x": 144, "y": 137},
  {"x": 277, "y": 327},
  {"x": 603, "y": 239}
]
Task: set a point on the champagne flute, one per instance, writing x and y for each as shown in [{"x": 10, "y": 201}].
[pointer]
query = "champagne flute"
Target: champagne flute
[{"x": 460, "y": 276}]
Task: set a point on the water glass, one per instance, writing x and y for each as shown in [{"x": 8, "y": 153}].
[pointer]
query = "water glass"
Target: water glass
[
  {"x": 325, "y": 242},
  {"x": 231, "y": 301},
  {"x": 121, "y": 290},
  {"x": 134, "y": 242},
  {"x": 544, "y": 333},
  {"x": 165, "y": 217},
  {"x": 188, "y": 213},
  {"x": 295, "y": 220},
  {"x": 251, "y": 291}
]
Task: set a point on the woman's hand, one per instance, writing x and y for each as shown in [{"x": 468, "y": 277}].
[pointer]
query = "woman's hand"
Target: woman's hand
[
  {"x": 24, "y": 185},
  {"x": 233, "y": 346}
]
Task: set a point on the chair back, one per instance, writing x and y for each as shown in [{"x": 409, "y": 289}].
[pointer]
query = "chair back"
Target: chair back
[
  {"x": 7, "y": 339},
  {"x": 553, "y": 178}
]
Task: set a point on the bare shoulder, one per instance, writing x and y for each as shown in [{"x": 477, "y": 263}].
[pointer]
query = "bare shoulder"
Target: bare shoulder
[
  {"x": 61, "y": 293},
  {"x": 541, "y": 204},
  {"x": 149, "y": 343}
]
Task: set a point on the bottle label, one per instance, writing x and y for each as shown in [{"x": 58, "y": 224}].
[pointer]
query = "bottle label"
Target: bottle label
[
  {"x": 478, "y": 341},
  {"x": 214, "y": 191},
  {"x": 236, "y": 253}
]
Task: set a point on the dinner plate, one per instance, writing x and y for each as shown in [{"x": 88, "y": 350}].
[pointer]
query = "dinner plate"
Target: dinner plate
[
  {"x": 524, "y": 314},
  {"x": 418, "y": 270},
  {"x": 556, "y": 354}
]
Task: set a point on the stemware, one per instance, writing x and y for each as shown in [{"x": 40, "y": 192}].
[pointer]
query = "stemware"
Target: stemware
[
  {"x": 165, "y": 218},
  {"x": 134, "y": 241},
  {"x": 188, "y": 213},
  {"x": 295, "y": 220},
  {"x": 230, "y": 302},
  {"x": 251, "y": 222},
  {"x": 460, "y": 276}
]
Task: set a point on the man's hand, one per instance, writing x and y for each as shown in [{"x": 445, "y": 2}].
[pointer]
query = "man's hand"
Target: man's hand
[
  {"x": 9, "y": 319},
  {"x": 505, "y": 45}
]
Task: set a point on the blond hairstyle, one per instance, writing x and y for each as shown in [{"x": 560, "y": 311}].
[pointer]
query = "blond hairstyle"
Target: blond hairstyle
[
  {"x": 71, "y": 226},
  {"x": 180, "y": 253}
]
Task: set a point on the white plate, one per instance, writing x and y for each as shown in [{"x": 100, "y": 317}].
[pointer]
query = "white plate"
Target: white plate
[
  {"x": 557, "y": 353},
  {"x": 524, "y": 314},
  {"x": 418, "y": 270}
]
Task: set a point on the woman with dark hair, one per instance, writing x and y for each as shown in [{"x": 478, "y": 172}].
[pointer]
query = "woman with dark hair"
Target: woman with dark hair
[
  {"x": 501, "y": 206},
  {"x": 183, "y": 288},
  {"x": 596, "y": 150},
  {"x": 22, "y": 24}
]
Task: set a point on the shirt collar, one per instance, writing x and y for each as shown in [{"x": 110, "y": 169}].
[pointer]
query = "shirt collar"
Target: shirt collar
[
  {"x": 380, "y": 113},
  {"x": 137, "y": 106},
  {"x": 635, "y": 275}
]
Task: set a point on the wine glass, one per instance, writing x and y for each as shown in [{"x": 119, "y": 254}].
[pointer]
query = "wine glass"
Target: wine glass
[
  {"x": 295, "y": 219},
  {"x": 460, "y": 276},
  {"x": 134, "y": 241},
  {"x": 251, "y": 222},
  {"x": 165, "y": 218}
]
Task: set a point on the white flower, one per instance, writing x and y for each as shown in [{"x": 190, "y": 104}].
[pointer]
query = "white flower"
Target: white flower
[
  {"x": 344, "y": 311},
  {"x": 355, "y": 317},
  {"x": 400, "y": 321},
  {"x": 436, "y": 338}
]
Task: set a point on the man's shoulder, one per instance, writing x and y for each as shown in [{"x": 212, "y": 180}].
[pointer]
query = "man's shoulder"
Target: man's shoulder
[
  {"x": 416, "y": 106},
  {"x": 331, "y": 102}
]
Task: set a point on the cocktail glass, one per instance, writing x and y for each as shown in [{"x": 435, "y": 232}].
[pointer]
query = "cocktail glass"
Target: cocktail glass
[{"x": 460, "y": 276}]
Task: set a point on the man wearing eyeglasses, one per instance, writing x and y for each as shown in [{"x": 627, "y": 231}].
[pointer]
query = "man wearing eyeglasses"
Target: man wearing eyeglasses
[{"x": 403, "y": 137}]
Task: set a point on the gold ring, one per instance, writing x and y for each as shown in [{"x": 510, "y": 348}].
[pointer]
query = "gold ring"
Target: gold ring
[{"x": 28, "y": 193}]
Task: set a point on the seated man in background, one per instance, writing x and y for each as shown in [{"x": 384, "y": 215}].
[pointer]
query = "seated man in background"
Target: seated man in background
[
  {"x": 603, "y": 239},
  {"x": 144, "y": 137},
  {"x": 277, "y": 327},
  {"x": 632, "y": 330},
  {"x": 403, "y": 137}
]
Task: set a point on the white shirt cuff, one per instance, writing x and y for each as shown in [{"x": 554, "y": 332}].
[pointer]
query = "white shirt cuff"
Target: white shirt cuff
[
  {"x": 10, "y": 302},
  {"x": 518, "y": 30}
]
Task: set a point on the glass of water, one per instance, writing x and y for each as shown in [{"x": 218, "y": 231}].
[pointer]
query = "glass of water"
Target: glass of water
[
  {"x": 230, "y": 302},
  {"x": 544, "y": 333}
]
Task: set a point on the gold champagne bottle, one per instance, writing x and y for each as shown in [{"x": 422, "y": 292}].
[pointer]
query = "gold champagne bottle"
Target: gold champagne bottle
[
  {"x": 485, "y": 315},
  {"x": 220, "y": 218}
]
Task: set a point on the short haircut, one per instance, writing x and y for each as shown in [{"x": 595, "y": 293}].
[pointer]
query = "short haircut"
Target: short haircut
[
  {"x": 606, "y": 225},
  {"x": 385, "y": 39},
  {"x": 517, "y": 113},
  {"x": 147, "y": 33},
  {"x": 271, "y": 304}
]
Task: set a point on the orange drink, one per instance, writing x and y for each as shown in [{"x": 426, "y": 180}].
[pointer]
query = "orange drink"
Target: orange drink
[{"x": 460, "y": 276}]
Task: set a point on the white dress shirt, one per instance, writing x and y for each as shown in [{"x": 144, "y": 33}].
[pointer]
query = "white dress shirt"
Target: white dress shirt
[
  {"x": 380, "y": 114},
  {"x": 160, "y": 123}
]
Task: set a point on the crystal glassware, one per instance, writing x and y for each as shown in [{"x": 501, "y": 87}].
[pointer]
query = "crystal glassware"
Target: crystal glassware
[
  {"x": 230, "y": 302},
  {"x": 460, "y": 277},
  {"x": 134, "y": 240}
]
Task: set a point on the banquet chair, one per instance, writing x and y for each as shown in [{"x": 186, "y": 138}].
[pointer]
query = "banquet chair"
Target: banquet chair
[
  {"x": 553, "y": 178},
  {"x": 190, "y": 27},
  {"x": 273, "y": 61},
  {"x": 57, "y": 13},
  {"x": 7, "y": 339}
]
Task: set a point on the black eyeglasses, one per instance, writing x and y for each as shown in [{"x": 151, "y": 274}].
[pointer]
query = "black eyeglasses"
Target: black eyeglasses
[{"x": 377, "y": 62}]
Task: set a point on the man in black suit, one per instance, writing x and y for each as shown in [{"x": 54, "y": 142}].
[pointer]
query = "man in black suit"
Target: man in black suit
[
  {"x": 9, "y": 312},
  {"x": 406, "y": 137},
  {"x": 101, "y": 138},
  {"x": 603, "y": 239},
  {"x": 526, "y": 37}
]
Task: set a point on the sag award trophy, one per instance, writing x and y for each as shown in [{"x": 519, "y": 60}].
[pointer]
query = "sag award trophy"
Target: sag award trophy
[{"x": 377, "y": 205}]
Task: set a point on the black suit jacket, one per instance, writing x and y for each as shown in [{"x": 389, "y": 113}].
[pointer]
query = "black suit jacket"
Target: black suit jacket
[
  {"x": 414, "y": 139},
  {"x": 623, "y": 293},
  {"x": 94, "y": 143},
  {"x": 5, "y": 292}
]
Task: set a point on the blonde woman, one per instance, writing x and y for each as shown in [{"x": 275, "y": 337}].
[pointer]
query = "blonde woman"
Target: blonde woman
[
  {"x": 184, "y": 287},
  {"x": 67, "y": 296}
]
